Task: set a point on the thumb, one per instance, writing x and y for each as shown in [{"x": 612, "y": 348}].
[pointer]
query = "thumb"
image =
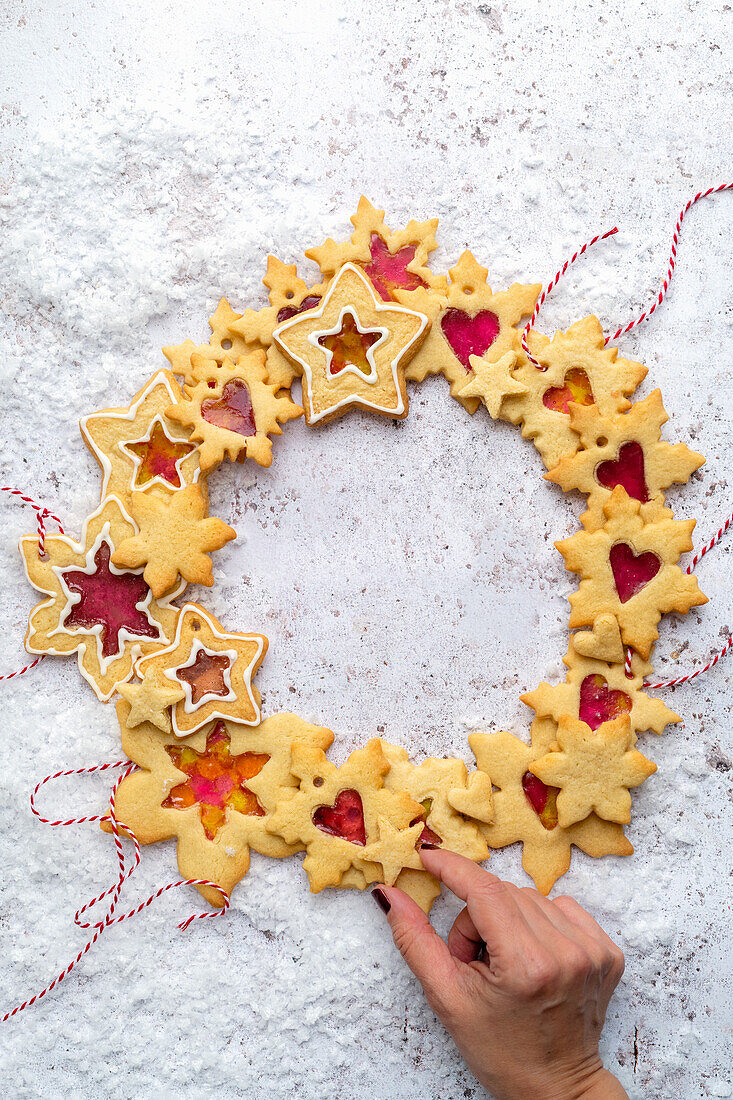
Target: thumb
[{"x": 421, "y": 947}]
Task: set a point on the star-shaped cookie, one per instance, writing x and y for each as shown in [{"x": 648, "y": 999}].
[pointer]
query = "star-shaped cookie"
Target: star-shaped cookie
[
  {"x": 138, "y": 447},
  {"x": 107, "y": 615},
  {"x": 352, "y": 349},
  {"x": 151, "y": 700},
  {"x": 213, "y": 667},
  {"x": 174, "y": 539},
  {"x": 491, "y": 381}
]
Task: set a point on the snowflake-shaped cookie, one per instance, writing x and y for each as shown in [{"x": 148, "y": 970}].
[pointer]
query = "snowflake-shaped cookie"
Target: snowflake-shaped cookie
[
  {"x": 215, "y": 793},
  {"x": 105, "y": 614},
  {"x": 525, "y": 810},
  {"x": 226, "y": 342},
  {"x": 232, "y": 409},
  {"x": 393, "y": 261},
  {"x": 352, "y": 349},
  {"x": 174, "y": 539},
  {"x": 469, "y": 319},
  {"x": 138, "y": 447},
  {"x": 597, "y": 692},
  {"x": 623, "y": 450},
  {"x": 339, "y": 812},
  {"x": 593, "y": 770},
  {"x": 576, "y": 368},
  {"x": 628, "y": 569},
  {"x": 214, "y": 668}
]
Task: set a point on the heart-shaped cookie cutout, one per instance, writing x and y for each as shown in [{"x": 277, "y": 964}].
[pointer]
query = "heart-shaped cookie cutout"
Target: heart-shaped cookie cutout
[
  {"x": 476, "y": 799},
  {"x": 627, "y": 470},
  {"x": 599, "y": 703},
  {"x": 603, "y": 642},
  {"x": 233, "y": 410},
  {"x": 344, "y": 819},
  {"x": 632, "y": 572},
  {"x": 542, "y": 799},
  {"x": 469, "y": 335},
  {"x": 576, "y": 387}
]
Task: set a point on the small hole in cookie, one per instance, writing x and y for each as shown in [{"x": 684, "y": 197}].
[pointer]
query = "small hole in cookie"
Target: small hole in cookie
[
  {"x": 195, "y": 625},
  {"x": 318, "y": 781},
  {"x": 601, "y": 441},
  {"x": 468, "y": 290},
  {"x": 212, "y": 384},
  {"x": 226, "y": 344},
  {"x": 42, "y": 555},
  {"x": 289, "y": 294}
]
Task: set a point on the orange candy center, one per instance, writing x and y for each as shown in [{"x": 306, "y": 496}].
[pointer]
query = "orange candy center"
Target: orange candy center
[
  {"x": 349, "y": 347},
  {"x": 576, "y": 387},
  {"x": 206, "y": 675},
  {"x": 542, "y": 799},
  {"x": 159, "y": 457},
  {"x": 216, "y": 780}
]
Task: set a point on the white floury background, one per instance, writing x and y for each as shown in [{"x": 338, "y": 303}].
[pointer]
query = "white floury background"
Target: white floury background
[{"x": 152, "y": 153}]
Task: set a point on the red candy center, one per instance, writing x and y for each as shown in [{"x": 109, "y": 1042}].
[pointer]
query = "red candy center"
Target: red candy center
[
  {"x": 206, "y": 675},
  {"x": 427, "y": 836},
  {"x": 599, "y": 703},
  {"x": 233, "y": 410},
  {"x": 215, "y": 780},
  {"x": 576, "y": 387},
  {"x": 344, "y": 819},
  {"x": 388, "y": 271},
  {"x": 632, "y": 572},
  {"x": 469, "y": 335},
  {"x": 158, "y": 456},
  {"x": 287, "y": 312},
  {"x": 109, "y": 599},
  {"x": 349, "y": 347},
  {"x": 626, "y": 470},
  {"x": 542, "y": 799}
]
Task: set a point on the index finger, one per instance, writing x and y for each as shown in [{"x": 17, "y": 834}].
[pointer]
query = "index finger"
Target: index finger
[{"x": 490, "y": 902}]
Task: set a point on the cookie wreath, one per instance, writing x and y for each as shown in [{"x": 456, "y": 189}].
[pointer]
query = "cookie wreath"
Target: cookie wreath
[{"x": 216, "y": 775}]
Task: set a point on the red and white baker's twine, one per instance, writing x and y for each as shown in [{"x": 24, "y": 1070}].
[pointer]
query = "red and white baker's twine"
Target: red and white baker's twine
[
  {"x": 115, "y": 889},
  {"x": 42, "y": 514},
  {"x": 620, "y": 332}
]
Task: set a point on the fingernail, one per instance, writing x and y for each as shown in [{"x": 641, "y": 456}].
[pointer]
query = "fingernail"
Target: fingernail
[
  {"x": 427, "y": 846},
  {"x": 381, "y": 899}
]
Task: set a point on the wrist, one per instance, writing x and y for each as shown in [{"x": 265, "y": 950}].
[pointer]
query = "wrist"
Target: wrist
[{"x": 589, "y": 1084}]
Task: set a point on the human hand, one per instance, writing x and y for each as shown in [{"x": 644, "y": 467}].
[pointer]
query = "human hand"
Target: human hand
[{"x": 527, "y": 1009}]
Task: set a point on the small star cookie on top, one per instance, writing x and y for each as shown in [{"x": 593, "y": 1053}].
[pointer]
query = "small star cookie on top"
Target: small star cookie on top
[
  {"x": 525, "y": 809},
  {"x": 214, "y": 668},
  {"x": 628, "y": 568},
  {"x": 352, "y": 349},
  {"x": 139, "y": 448},
  {"x": 175, "y": 535},
  {"x": 576, "y": 367},
  {"x": 593, "y": 770},
  {"x": 469, "y": 319},
  {"x": 346, "y": 818},
  {"x": 214, "y": 793},
  {"x": 232, "y": 409},
  {"x": 105, "y": 614}
]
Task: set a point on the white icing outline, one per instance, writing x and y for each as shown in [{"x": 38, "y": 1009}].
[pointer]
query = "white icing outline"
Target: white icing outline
[
  {"x": 194, "y": 609},
  {"x": 135, "y": 649},
  {"x": 137, "y": 462},
  {"x": 188, "y": 704},
  {"x": 350, "y": 368},
  {"x": 159, "y": 379},
  {"x": 379, "y": 307}
]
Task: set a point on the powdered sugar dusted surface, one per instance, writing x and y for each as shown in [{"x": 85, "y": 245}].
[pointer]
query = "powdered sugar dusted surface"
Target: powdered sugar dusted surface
[{"x": 152, "y": 154}]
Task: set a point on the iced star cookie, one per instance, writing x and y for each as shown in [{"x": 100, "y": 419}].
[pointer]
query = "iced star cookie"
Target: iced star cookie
[
  {"x": 576, "y": 367},
  {"x": 469, "y": 319},
  {"x": 105, "y": 614},
  {"x": 174, "y": 539},
  {"x": 525, "y": 809},
  {"x": 214, "y": 794},
  {"x": 139, "y": 448},
  {"x": 352, "y": 349},
  {"x": 226, "y": 342},
  {"x": 214, "y": 668},
  {"x": 593, "y": 770},
  {"x": 232, "y": 410},
  {"x": 340, "y": 814},
  {"x": 622, "y": 450},
  {"x": 628, "y": 568},
  {"x": 597, "y": 692},
  {"x": 393, "y": 261}
]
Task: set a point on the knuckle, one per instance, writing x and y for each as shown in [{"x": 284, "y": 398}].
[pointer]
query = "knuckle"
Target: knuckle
[
  {"x": 539, "y": 975},
  {"x": 618, "y": 964}
]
